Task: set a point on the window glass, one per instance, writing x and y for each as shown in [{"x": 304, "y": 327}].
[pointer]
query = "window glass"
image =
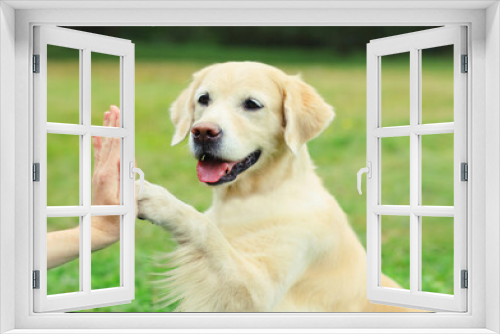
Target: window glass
[
  {"x": 63, "y": 170},
  {"x": 395, "y": 170},
  {"x": 395, "y": 234},
  {"x": 437, "y": 254},
  {"x": 437, "y": 84},
  {"x": 395, "y": 89},
  {"x": 105, "y": 262},
  {"x": 63, "y": 272},
  {"x": 105, "y": 85},
  {"x": 437, "y": 169},
  {"x": 63, "y": 85}
]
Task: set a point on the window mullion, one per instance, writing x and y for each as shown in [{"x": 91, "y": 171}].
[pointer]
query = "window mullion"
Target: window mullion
[
  {"x": 460, "y": 155},
  {"x": 85, "y": 168},
  {"x": 104, "y": 131},
  {"x": 127, "y": 184},
  {"x": 414, "y": 170},
  {"x": 80, "y": 130}
]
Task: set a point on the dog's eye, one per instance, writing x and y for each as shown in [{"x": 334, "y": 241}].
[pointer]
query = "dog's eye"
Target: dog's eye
[
  {"x": 204, "y": 99},
  {"x": 251, "y": 104}
]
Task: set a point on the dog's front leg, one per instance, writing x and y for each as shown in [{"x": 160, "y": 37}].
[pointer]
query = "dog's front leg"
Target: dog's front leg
[
  {"x": 190, "y": 228},
  {"x": 202, "y": 259},
  {"x": 209, "y": 274}
]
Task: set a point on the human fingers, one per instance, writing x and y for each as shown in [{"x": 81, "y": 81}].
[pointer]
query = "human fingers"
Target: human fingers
[
  {"x": 114, "y": 109},
  {"x": 118, "y": 179},
  {"x": 109, "y": 141},
  {"x": 114, "y": 149},
  {"x": 115, "y": 143},
  {"x": 105, "y": 122},
  {"x": 106, "y": 118},
  {"x": 97, "y": 143}
]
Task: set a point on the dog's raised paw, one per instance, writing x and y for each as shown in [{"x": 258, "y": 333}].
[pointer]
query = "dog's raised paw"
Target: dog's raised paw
[
  {"x": 141, "y": 199},
  {"x": 153, "y": 203}
]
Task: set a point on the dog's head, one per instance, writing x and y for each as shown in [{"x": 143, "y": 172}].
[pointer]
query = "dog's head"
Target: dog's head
[{"x": 239, "y": 115}]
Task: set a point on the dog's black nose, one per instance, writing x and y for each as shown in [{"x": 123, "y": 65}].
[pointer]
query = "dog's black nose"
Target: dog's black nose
[{"x": 206, "y": 132}]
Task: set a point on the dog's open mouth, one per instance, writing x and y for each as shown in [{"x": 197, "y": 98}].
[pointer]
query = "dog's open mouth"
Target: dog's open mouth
[{"x": 214, "y": 171}]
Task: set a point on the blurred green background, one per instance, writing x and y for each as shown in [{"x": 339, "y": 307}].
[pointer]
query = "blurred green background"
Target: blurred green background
[{"x": 332, "y": 59}]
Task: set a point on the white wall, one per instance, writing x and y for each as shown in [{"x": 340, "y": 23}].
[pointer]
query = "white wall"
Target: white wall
[
  {"x": 492, "y": 163},
  {"x": 7, "y": 160}
]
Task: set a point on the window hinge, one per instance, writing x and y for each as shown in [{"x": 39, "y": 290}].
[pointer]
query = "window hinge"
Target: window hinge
[
  {"x": 36, "y": 172},
  {"x": 36, "y": 279},
  {"x": 465, "y": 279},
  {"x": 36, "y": 63},
  {"x": 464, "y": 168},
  {"x": 465, "y": 64}
]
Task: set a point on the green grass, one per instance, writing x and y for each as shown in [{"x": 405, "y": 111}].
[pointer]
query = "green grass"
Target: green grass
[{"x": 338, "y": 153}]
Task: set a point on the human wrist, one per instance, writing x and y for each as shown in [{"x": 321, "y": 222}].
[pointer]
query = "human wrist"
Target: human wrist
[{"x": 105, "y": 231}]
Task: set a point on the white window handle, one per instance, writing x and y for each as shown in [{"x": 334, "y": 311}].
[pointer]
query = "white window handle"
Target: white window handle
[
  {"x": 139, "y": 171},
  {"x": 368, "y": 171}
]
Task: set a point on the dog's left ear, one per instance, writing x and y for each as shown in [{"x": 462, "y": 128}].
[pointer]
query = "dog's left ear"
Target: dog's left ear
[{"x": 306, "y": 114}]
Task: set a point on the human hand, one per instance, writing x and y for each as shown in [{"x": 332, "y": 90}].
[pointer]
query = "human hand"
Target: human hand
[
  {"x": 106, "y": 178},
  {"x": 105, "y": 230}
]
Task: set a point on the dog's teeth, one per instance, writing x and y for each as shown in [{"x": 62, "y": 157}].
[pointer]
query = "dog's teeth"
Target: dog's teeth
[{"x": 203, "y": 158}]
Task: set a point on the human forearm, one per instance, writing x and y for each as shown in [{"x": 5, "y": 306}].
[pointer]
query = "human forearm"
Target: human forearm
[{"x": 64, "y": 246}]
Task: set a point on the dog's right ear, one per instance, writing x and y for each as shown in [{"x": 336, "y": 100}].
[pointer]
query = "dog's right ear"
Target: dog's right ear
[
  {"x": 182, "y": 110},
  {"x": 182, "y": 114}
]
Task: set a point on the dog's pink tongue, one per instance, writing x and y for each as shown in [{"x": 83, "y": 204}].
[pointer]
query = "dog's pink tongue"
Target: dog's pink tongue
[{"x": 212, "y": 171}]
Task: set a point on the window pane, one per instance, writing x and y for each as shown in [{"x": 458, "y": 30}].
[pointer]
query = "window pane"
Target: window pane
[
  {"x": 63, "y": 170},
  {"x": 437, "y": 254},
  {"x": 395, "y": 170},
  {"x": 395, "y": 234},
  {"x": 437, "y": 169},
  {"x": 106, "y": 153},
  {"x": 105, "y": 260},
  {"x": 63, "y": 85},
  {"x": 105, "y": 85},
  {"x": 395, "y": 89},
  {"x": 62, "y": 266},
  {"x": 437, "y": 84}
]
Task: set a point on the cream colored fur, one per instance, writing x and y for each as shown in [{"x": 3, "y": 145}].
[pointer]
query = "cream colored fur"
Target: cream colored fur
[{"x": 274, "y": 239}]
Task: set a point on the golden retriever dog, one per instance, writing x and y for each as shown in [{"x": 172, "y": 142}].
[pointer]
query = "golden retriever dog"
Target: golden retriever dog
[{"x": 274, "y": 239}]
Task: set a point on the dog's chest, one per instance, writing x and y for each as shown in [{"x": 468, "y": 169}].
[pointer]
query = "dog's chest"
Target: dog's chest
[{"x": 264, "y": 209}]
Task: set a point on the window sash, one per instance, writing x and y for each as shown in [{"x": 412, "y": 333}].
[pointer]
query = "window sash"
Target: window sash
[
  {"x": 87, "y": 43},
  {"x": 413, "y": 43}
]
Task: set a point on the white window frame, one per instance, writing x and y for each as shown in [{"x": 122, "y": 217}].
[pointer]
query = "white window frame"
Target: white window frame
[{"x": 16, "y": 22}]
